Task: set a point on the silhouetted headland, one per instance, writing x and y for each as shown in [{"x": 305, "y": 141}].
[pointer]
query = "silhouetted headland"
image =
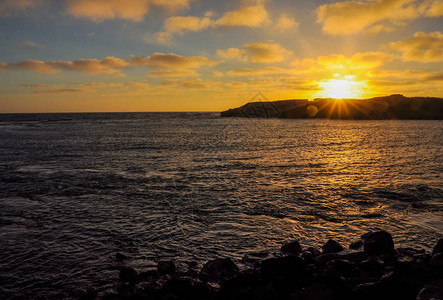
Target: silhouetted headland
[
  {"x": 371, "y": 268},
  {"x": 377, "y": 108}
]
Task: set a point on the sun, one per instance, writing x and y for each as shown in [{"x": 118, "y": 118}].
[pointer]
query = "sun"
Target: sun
[{"x": 342, "y": 88}]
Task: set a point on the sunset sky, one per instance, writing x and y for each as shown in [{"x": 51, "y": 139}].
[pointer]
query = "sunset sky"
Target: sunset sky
[{"x": 207, "y": 55}]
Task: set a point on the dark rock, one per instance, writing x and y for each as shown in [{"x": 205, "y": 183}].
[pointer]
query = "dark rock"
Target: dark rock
[
  {"x": 112, "y": 296},
  {"x": 120, "y": 256},
  {"x": 241, "y": 282},
  {"x": 285, "y": 267},
  {"x": 343, "y": 267},
  {"x": 377, "y": 243},
  {"x": 308, "y": 257},
  {"x": 219, "y": 269},
  {"x": 432, "y": 291},
  {"x": 438, "y": 248},
  {"x": 410, "y": 252},
  {"x": 437, "y": 260},
  {"x": 182, "y": 288},
  {"x": 292, "y": 248},
  {"x": 128, "y": 274},
  {"x": 332, "y": 246},
  {"x": 86, "y": 293},
  {"x": 148, "y": 274},
  {"x": 314, "y": 251},
  {"x": 324, "y": 258},
  {"x": 371, "y": 265},
  {"x": 356, "y": 245},
  {"x": 166, "y": 267},
  {"x": 315, "y": 291},
  {"x": 355, "y": 256},
  {"x": 335, "y": 282}
]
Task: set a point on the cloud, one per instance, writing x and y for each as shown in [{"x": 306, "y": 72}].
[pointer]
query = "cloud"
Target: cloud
[
  {"x": 285, "y": 23},
  {"x": 233, "y": 54},
  {"x": 174, "y": 73},
  {"x": 434, "y": 77},
  {"x": 109, "y": 65},
  {"x": 168, "y": 64},
  {"x": 246, "y": 16},
  {"x": 29, "y": 65},
  {"x": 174, "y": 61},
  {"x": 61, "y": 91},
  {"x": 436, "y": 9},
  {"x": 181, "y": 25},
  {"x": 11, "y": 7},
  {"x": 351, "y": 17},
  {"x": 258, "y": 52},
  {"x": 260, "y": 71},
  {"x": 423, "y": 47},
  {"x": 29, "y": 46},
  {"x": 134, "y": 10}
]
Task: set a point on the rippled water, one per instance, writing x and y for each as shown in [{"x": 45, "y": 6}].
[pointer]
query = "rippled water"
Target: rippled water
[{"x": 77, "y": 188}]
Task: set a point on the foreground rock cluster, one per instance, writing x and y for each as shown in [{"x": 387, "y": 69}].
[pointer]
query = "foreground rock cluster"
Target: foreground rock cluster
[{"x": 370, "y": 269}]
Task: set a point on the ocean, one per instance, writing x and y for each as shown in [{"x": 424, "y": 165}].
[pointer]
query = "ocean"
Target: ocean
[{"x": 75, "y": 189}]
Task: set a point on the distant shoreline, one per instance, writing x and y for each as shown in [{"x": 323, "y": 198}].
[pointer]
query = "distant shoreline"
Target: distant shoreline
[{"x": 391, "y": 107}]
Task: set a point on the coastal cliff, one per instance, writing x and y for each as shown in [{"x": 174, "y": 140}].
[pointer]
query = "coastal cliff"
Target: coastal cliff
[{"x": 377, "y": 108}]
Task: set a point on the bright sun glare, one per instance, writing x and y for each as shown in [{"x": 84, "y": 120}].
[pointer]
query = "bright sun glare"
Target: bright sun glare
[{"x": 342, "y": 88}]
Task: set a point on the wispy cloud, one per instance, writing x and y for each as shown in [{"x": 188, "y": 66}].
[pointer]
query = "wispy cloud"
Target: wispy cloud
[
  {"x": 114, "y": 65},
  {"x": 423, "y": 47},
  {"x": 351, "y": 17},
  {"x": 12, "y": 7},
  {"x": 258, "y": 52},
  {"x": 134, "y": 10}
]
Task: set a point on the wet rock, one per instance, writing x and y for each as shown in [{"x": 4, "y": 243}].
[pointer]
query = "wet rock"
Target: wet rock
[
  {"x": 240, "y": 285},
  {"x": 371, "y": 266},
  {"x": 120, "y": 256},
  {"x": 377, "y": 243},
  {"x": 315, "y": 291},
  {"x": 148, "y": 274},
  {"x": 285, "y": 267},
  {"x": 438, "y": 248},
  {"x": 410, "y": 252},
  {"x": 332, "y": 246},
  {"x": 315, "y": 252},
  {"x": 324, "y": 258},
  {"x": 128, "y": 274},
  {"x": 292, "y": 248},
  {"x": 431, "y": 291},
  {"x": 166, "y": 267},
  {"x": 219, "y": 269},
  {"x": 112, "y": 296},
  {"x": 437, "y": 260},
  {"x": 341, "y": 266},
  {"x": 355, "y": 256},
  {"x": 181, "y": 288},
  {"x": 356, "y": 245},
  {"x": 308, "y": 257}
]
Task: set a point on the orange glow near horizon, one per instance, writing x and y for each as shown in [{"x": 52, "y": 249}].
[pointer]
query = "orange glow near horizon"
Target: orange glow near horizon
[{"x": 347, "y": 88}]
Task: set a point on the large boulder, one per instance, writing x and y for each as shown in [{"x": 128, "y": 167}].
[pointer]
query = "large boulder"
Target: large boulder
[
  {"x": 166, "y": 267},
  {"x": 432, "y": 291},
  {"x": 378, "y": 243},
  {"x": 219, "y": 269},
  {"x": 282, "y": 267},
  {"x": 332, "y": 246},
  {"x": 128, "y": 274},
  {"x": 292, "y": 248},
  {"x": 438, "y": 248}
]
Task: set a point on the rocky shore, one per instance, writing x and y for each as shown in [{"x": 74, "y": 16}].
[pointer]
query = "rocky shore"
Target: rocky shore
[{"x": 370, "y": 268}]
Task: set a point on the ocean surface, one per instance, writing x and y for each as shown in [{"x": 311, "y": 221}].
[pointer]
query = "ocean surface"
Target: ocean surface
[{"x": 75, "y": 189}]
